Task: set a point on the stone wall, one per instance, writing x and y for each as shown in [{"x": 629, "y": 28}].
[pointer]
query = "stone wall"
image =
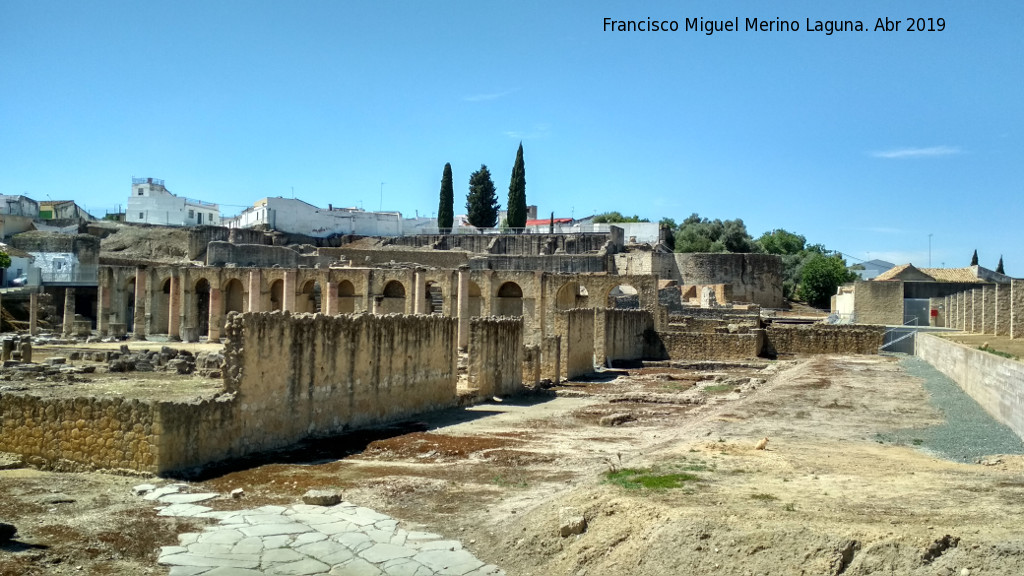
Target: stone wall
[
  {"x": 708, "y": 346},
  {"x": 73, "y": 433},
  {"x": 556, "y": 263},
  {"x": 496, "y": 356},
  {"x": 249, "y": 255},
  {"x": 823, "y": 339},
  {"x": 578, "y": 342},
  {"x": 377, "y": 256},
  {"x": 878, "y": 303},
  {"x": 551, "y": 359},
  {"x": 754, "y": 278},
  {"x": 511, "y": 244},
  {"x": 625, "y": 334},
  {"x": 994, "y": 382}
]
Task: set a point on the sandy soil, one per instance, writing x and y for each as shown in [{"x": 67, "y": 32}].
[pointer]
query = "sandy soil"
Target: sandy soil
[
  {"x": 829, "y": 495},
  {"x": 1003, "y": 344}
]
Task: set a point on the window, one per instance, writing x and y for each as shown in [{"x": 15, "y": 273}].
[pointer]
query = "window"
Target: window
[
  {"x": 140, "y": 192},
  {"x": 140, "y": 216},
  {"x": 191, "y": 213},
  {"x": 199, "y": 218}
]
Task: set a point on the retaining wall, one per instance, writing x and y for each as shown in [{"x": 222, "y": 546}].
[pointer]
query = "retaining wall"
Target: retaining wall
[
  {"x": 496, "y": 355},
  {"x": 823, "y": 339},
  {"x": 996, "y": 383}
]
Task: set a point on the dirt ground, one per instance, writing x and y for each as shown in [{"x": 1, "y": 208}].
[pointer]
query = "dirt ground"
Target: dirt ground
[
  {"x": 828, "y": 496},
  {"x": 1002, "y": 344}
]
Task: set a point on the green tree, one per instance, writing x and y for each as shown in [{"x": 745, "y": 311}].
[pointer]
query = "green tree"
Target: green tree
[
  {"x": 821, "y": 276},
  {"x": 999, "y": 268},
  {"x": 446, "y": 206},
  {"x": 615, "y": 217},
  {"x": 974, "y": 259},
  {"x": 517, "y": 193},
  {"x": 482, "y": 203},
  {"x": 5, "y": 260},
  {"x": 698, "y": 234}
]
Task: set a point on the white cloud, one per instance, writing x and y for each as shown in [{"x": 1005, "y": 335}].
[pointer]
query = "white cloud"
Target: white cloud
[
  {"x": 538, "y": 131},
  {"x": 917, "y": 152},
  {"x": 486, "y": 97}
]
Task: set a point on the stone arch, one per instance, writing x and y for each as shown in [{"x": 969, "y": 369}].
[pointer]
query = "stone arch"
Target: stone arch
[
  {"x": 475, "y": 299},
  {"x": 277, "y": 295},
  {"x": 234, "y": 296},
  {"x": 623, "y": 296},
  {"x": 202, "y": 303},
  {"x": 393, "y": 301},
  {"x": 346, "y": 297},
  {"x": 435, "y": 298},
  {"x": 310, "y": 299},
  {"x": 571, "y": 295},
  {"x": 509, "y": 301}
]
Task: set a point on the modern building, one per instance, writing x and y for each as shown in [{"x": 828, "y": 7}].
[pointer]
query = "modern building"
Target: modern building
[
  {"x": 63, "y": 210},
  {"x": 298, "y": 217},
  {"x": 152, "y": 203},
  {"x": 871, "y": 268}
]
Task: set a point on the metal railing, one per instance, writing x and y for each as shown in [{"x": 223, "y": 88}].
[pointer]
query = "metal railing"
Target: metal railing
[
  {"x": 886, "y": 342},
  {"x": 157, "y": 181},
  {"x": 80, "y": 276}
]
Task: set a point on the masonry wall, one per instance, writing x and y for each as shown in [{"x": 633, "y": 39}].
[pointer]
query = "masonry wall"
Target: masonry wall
[
  {"x": 878, "y": 303},
  {"x": 73, "y": 433},
  {"x": 624, "y": 334},
  {"x": 258, "y": 255},
  {"x": 754, "y": 278},
  {"x": 551, "y": 359},
  {"x": 1017, "y": 309},
  {"x": 579, "y": 342},
  {"x": 511, "y": 244},
  {"x": 710, "y": 346},
  {"x": 496, "y": 356},
  {"x": 823, "y": 339},
  {"x": 994, "y": 382}
]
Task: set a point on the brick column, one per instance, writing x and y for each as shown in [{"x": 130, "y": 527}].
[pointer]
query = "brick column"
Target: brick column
[
  {"x": 140, "y": 305},
  {"x": 174, "y": 308},
  {"x": 33, "y": 314},
  {"x": 463, "y": 305},
  {"x": 255, "y": 291},
  {"x": 965, "y": 310},
  {"x": 216, "y": 315},
  {"x": 288, "y": 298},
  {"x": 1002, "y": 310},
  {"x": 189, "y": 315},
  {"x": 977, "y": 311},
  {"x": 69, "y": 312},
  {"x": 953, "y": 310},
  {"x": 419, "y": 305},
  {"x": 103, "y": 302},
  {"x": 1016, "y": 308},
  {"x": 329, "y": 298}
]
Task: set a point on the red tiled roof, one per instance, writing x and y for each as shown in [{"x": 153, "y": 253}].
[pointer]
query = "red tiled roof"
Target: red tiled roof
[{"x": 548, "y": 221}]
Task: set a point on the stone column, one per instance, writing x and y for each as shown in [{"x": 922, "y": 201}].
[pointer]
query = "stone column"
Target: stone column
[
  {"x": 377, "y": 301},
  {"x": 140, "y": 304},
  {"x": 33, "y": 314},
  {"x": 965, "y": 310},
  {"x": 189, "y": 315},
  {"x": 1016, "y": 308},
  {"x": 288, "y": 298},
  {"x": 329, "y": 298},
  {"x": 174, "y": 308},
  {"x": 69, "y": 312},
  {"x": 1, "y": 314},
  {"x": 988, "y": 310},
  {"x": 953, "y": 309},
  {"x": 419, "y": 305},
  {"x": 463, "y": 304},
  {"x": 216, "y": 315},
  {"x": 103, "y": 302},
  {"x": 255, "y": 290},
  {"x": 1002, "y": 298}
]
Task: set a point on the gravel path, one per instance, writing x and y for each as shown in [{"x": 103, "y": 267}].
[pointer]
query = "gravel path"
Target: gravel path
[{"x": 968, "y": 433}]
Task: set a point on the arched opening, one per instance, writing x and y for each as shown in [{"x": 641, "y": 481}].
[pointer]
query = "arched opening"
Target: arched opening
[
  {"x": 346, "y": 297},
  {"x": 475, "y": 299},
  {"x": 394, "y": 298},
  {"x": 435, "y": 299},
  {"x": 509, "y": 300},
  {"x": 161, "y": 304},
  {"x": 129, "y": 305},
  {"x": 277, "y": 295},
  {"x": 203, "y": 307},
  {"x": 571, "y": 295},
  {"x": 309, "y": 300},
  {"x": 234, "y": 296},
  {"x": 624, "y": 296}
]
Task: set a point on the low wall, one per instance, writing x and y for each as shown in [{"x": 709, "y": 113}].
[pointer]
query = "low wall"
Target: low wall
[
  {"x": 551, "y": 359},
  {"x": 994, "y": 382},
  {"x": 496, "y": 356},
  {"x": 71, "y": 433},
  {"x": 823, "y": 339},
  {"x": 715, "y": 346},
  {"x": 220, "y": 253}
]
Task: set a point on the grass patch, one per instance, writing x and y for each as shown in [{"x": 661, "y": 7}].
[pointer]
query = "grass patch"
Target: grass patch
[
  {"x": 764, "y": 496},
  {"x": 789, "y": 507},
  {"x": 999, "y": 353},
  {"x": 509, "y": 482},
  {"x": 644, "y": 478},
  {"x": 719, "y": 389}
]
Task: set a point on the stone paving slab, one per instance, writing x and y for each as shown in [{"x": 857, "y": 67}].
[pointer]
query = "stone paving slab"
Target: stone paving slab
[{"x": 305, "y": 540}]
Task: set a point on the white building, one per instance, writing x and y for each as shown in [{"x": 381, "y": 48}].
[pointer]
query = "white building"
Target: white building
[
  {"x": 152, "y": 203},
  {"x": 298, "y": 217},
  {"x": 12, "y": 205}
]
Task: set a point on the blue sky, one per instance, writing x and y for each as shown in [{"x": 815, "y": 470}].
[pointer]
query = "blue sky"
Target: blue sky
[{"x": 866, "y": 142}]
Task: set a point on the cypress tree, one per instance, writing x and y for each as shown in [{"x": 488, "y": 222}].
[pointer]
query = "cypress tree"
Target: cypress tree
[
  {"x": 482, "y": 203},
  {"x": 974, "y": 259},
  {"x": 446, "y": 207},
  {"x": 999, "y": 268},
  {"x": 517, "y": 193}
]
